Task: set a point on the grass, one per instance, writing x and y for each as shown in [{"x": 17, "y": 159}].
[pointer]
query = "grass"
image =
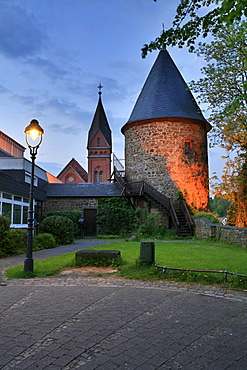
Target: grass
[{"x": 190, "y": 254}]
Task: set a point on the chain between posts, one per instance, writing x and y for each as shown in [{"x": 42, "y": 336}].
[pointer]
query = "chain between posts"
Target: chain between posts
[{"x": 225, "y": 272}]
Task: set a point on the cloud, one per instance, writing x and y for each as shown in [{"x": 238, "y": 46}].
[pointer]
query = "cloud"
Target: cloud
[
  {"x": 21, "y": 35},
  {"x": 3, "y": 90},
  {"x": 48, "y": 67},
  {"x": 112, "y": 89}
]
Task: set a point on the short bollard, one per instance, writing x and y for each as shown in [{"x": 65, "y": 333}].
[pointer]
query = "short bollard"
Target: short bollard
[{"x": 147, "y": 252}]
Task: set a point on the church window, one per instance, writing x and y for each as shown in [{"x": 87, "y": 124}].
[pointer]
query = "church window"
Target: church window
[
  {"x": 101, "y": 176},
  {"x": 98, "y": 141},
  {"x": 70, "y": 178},
  {"x": 96, "y": 177}
]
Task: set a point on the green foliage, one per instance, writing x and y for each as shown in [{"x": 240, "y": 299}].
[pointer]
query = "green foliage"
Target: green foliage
[
  {"x": 17, "y": 242},
  {"x": 219, "y": 206},
  {"x": 60, "y": 227},
  {"x": 115, "y": 216},
  {"x": 224, "y": 86},
  {"x": 4, "y": 232},
  {"x": 72, "y": 215},
  {"x": 46, "y": 267},
  {"x": 43, "y": 241},
  {"x": 210, "y": 215},
  {"x": 188, "y": 25},
  {"x": 149, "y": 226},
  {"x": 224, "y": 90}
]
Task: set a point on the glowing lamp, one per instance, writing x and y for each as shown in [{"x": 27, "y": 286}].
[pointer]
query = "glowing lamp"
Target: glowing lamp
[
  {"x": 33, "y": 132},
  {"x": 34, "y": 135}
]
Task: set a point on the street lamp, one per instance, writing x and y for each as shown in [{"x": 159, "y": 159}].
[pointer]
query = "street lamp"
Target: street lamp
[{"x": 34, "y": 133}]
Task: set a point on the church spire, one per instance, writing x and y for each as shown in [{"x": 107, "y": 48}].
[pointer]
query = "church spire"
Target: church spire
[
  {"x": 100, "y": 87},
  {"x": 99, "y": 145}
]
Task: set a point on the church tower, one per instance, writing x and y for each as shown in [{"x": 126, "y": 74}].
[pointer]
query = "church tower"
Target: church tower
[
  {"x": 166, "y": 137},
  {"x": 99, "y": 146}
]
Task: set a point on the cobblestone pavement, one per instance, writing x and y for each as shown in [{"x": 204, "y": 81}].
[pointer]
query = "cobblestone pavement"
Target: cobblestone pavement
[{"x": 71, "y": 322}]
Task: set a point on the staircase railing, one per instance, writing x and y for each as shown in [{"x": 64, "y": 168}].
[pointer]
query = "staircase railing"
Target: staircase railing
[
  {"x": 184, "y": 209},
  {"x": 141, "y": 188}
]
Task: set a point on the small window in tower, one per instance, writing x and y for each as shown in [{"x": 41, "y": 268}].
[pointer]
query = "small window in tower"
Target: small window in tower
[
  {"x": 96, "y": 177},
  {"x": 101, "y": 176},
  {"x": 98, "y": 141},
  {"x": 188, "y": 147}
]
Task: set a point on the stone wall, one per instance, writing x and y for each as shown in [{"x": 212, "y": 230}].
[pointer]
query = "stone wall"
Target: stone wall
[
  {"x": 205, "y": 229},
  {"x": 68, "y": 203},
  {"x": 171, "y": 155}
]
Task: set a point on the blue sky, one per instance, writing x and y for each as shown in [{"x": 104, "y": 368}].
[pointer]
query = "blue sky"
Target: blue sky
[{"x": 54, "y": 54}]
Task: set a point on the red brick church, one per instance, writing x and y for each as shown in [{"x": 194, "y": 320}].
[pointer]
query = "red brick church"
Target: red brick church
[{"x": 99, "y": 148}]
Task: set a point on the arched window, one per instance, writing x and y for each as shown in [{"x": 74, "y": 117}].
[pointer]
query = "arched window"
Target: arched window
[
  {"x": 98, "y": 141},
  {"x": 188, "y": 147},
  {"x": 96, "y": 176},
  {"x": 101, "y": 176}
]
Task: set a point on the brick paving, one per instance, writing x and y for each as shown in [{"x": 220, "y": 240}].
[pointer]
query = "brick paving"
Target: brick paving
[{"x": 71, "y": 322}]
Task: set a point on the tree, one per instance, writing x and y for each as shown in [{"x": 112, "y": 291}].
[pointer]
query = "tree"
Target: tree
[
  {"x": 224, "y": 87},
  {"x": 224, "y": 90},
  {"x": 219, "y": 206},
  {"x": 220, "y": 13}
]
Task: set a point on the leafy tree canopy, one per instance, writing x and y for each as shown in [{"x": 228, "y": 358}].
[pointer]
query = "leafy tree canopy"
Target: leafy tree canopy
[
  {"x": 224, "y": 86},
  {"x": 187, "y": 25}
]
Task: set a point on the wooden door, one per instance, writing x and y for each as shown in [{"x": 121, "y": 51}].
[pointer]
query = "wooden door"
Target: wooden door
[{"x": 90, "y": 227}]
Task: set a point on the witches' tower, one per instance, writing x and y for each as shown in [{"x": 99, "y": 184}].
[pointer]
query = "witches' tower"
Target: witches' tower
[{"x": 166, "y": 137}]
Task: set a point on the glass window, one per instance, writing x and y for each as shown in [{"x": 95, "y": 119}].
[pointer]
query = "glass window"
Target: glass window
[
  {"x": 17, "y": 198},
  {"x": 98, "y": 141},
  {"x": 7, "y": 196},
  {"x": 25, "y": 215},
  {"x": 6, "y": 210},
  {"x": 17, "y": 214},
  {"x": 101, "y": 176},
  {"x": 96, "y": 176},
  {"x": 28, "y": 179},
  {"x": 188, "y": 147}
]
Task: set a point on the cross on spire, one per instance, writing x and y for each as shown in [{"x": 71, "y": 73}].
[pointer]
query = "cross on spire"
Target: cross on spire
[{"x": 100, "y": 87}]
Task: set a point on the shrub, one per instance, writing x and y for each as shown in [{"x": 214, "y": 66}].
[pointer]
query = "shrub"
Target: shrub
[
  {"x": 74, "y": 216},
  {"x": 60, "y": 227},
  {"x": 43, "y": 241},
  {"x": 4, "y": 232},
  {"x": 210, "y": 215},
  {"x": 115, "y": 216},
  {"x": 17, "y": 242}
]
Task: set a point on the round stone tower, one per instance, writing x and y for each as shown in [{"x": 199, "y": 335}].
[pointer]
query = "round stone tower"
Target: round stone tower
[{"x": 166, "y": 137}]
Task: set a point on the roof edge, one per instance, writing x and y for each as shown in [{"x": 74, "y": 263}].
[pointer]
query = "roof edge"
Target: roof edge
[{"x": 130, "y": 124}]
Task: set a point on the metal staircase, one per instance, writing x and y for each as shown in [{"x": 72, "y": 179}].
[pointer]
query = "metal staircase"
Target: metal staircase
[{"x": 180, "y": 215}]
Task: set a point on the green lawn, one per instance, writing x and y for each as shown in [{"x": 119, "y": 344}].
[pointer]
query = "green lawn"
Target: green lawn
[{"x": 191, "y": 254}]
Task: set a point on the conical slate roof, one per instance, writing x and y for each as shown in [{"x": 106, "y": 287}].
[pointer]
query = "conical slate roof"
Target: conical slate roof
[
  {"x": 165, "y": 94},
  {"x": 99, "y": 123}
]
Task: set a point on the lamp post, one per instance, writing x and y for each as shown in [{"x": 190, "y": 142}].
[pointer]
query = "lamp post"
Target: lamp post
[{"x": 34, "y": 133}]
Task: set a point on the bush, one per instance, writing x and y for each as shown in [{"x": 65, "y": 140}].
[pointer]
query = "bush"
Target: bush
[
  {"x": 43, "y": 241},
  {"x": 17, "y": 242},
  {"x": 210, "y": 215},
  {"x": 60, "y": 227},
  {"x": 74, "y": 216},
  {"x": 115, "y": 216},
  {"x": 4, "y": 232}
]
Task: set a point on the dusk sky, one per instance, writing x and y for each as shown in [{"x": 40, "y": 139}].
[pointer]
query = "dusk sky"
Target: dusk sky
[{"x": 54, "y": 54}]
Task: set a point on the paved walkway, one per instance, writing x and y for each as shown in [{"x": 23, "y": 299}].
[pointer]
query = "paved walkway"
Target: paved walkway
[{"x": 109, "y": 323}]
